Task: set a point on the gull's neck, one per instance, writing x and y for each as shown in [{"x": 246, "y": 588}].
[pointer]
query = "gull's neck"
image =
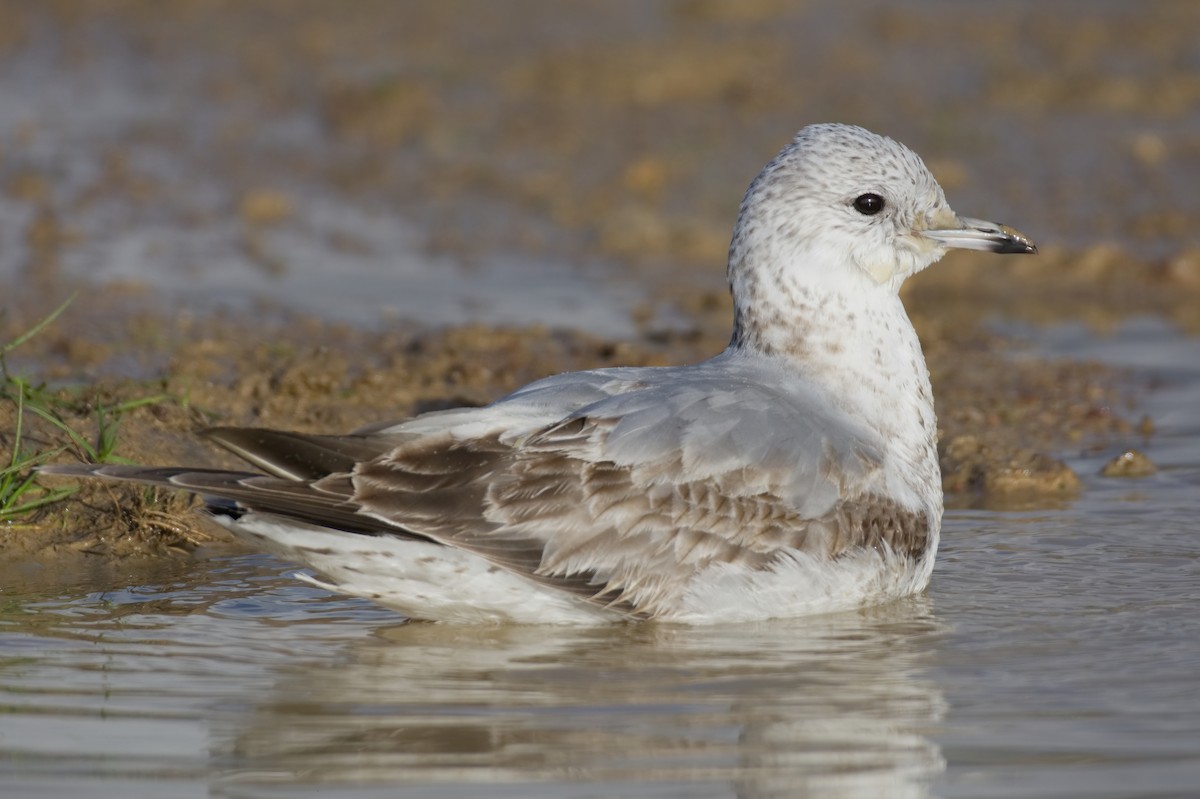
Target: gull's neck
[{"x": 854, "y": 342}]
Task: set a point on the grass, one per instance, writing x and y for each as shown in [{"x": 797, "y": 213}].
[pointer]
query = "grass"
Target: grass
[{"x": 20, "y": 492}]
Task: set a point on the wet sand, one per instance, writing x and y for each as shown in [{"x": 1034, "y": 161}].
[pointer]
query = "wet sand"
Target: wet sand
[{"x": 606, "y": 134}]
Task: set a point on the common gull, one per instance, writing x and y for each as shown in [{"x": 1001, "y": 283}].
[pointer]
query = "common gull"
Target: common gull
[{"x": 794, "y": 473}]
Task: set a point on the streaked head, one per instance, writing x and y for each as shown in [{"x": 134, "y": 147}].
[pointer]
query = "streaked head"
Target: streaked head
[{"x": 841, "y": 202}]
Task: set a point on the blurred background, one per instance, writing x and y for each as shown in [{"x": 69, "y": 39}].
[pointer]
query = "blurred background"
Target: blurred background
[{"x": 452, "y": 161}]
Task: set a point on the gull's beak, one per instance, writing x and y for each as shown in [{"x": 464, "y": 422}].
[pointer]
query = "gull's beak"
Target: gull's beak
[{"x": 976, "y": 234}]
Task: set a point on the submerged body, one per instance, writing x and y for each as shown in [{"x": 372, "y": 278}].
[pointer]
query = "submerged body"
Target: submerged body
[{"x": 794, "y": 473}]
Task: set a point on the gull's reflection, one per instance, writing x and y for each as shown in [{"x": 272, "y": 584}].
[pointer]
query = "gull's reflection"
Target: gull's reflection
[{"x": 826, "y": 706}]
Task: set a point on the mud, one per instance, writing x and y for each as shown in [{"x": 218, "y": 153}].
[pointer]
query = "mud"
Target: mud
[{"x": 583, "y": 135}]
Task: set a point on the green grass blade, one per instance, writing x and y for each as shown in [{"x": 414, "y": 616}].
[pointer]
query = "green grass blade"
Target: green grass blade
[
  {"x": 129, "y": 405},
  {"x": 82, "y": 443},
  {"x": 39, "y": 327},
  {"x": 16, "y": 453},
  {"x": 48, "y": 498}
]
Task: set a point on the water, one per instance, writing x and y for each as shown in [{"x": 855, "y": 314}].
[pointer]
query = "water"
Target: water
[{"x": 1057, "y": 654}]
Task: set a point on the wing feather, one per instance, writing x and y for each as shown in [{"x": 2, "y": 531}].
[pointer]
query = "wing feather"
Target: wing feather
[{"x": 629, "y": 497}]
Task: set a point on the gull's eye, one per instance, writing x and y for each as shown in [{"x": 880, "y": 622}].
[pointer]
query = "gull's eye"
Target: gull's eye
[{"x": 868, "y": 204}]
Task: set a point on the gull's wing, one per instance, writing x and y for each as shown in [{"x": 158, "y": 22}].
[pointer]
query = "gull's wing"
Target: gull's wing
[
  {"x": 625, "y": 499},
  {"x": 616, "y": 485}
]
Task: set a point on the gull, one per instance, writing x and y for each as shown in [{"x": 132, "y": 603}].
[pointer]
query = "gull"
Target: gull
[{"x": 794, "y": 473}]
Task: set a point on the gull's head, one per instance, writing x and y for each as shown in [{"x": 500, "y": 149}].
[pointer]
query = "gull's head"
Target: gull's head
[{"x": 846, "y": 208}]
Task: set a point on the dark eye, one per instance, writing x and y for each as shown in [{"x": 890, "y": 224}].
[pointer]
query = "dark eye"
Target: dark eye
[{"x": 868, "y": 204}]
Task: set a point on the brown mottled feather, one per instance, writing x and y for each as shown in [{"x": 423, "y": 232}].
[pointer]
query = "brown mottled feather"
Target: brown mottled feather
[
  {"x": 626, "y": 537},
  {"x": 630, "y": 536}
]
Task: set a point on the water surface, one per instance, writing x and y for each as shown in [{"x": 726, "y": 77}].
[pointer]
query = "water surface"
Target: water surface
[{"x": 1056, "y": 654}]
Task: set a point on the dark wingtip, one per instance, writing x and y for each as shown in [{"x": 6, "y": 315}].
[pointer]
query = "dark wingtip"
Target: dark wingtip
[
  {"x": 296, "y": 456},
  {"x": 68, "y": 469}
]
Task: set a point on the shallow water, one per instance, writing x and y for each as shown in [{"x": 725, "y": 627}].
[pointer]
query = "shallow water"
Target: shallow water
[{"x": 1056, "y": 654}]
